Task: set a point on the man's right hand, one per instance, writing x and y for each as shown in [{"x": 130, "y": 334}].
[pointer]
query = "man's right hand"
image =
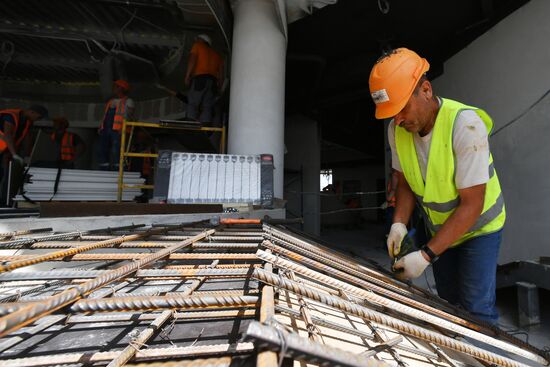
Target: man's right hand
[{"x": 397, "y": 232}]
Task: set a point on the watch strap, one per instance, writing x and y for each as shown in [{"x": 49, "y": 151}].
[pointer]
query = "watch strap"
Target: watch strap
[{"x": 433, "y": 257}]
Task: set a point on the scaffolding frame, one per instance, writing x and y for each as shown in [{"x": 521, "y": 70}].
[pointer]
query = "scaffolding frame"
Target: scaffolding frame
[{"x": 125, "y": 147}]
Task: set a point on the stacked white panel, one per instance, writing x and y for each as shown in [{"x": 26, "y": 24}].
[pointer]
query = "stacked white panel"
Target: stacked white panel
[
  {"x": 78, "y": 185},
  {"x": 214, "y": 178}
]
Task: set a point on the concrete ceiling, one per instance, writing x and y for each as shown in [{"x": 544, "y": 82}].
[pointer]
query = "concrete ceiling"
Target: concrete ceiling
[
  {"x": 83, "y": 42},
  {"x": 331, "y": 52}
]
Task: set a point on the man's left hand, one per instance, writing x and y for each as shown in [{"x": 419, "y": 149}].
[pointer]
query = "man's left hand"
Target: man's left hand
[{"x": 412, "y": 265}]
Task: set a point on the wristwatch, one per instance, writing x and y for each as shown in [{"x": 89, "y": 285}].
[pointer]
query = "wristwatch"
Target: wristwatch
[{"x": 433, "y": 257}]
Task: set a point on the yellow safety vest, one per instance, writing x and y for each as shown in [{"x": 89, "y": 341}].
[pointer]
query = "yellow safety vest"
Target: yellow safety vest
[{"x": 438, "y": 196}]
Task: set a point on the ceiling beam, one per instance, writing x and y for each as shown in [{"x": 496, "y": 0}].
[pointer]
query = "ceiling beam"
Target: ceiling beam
[
  {"x": 87, "y": 33},
  {"x": 27, "y": 59}
]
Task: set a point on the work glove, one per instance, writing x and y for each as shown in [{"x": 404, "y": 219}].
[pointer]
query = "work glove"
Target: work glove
[
  {"x": 397, "y": 232},
  {"x": 17, "y": 159},
  {"x": 411, "y": 265}
]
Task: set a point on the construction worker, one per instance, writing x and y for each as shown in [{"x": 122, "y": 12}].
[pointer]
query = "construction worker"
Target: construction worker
[
  {"x": 14, "y": 131},
  {"x": 119, "y": 108},
  {"x": 69, "y": 146},
  {"x": 440, "y": 151},
  {"x": 204, "y": 76}
]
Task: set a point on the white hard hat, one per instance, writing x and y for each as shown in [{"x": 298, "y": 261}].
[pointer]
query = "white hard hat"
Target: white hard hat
[{"x": 206, "y": 38}]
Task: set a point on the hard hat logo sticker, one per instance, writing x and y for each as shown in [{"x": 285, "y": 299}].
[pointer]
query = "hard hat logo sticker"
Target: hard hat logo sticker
[{"x": 380, "y": 96}]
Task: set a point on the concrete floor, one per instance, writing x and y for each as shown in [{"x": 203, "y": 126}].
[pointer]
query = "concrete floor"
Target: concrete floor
[{"x": 370, "y": 243}]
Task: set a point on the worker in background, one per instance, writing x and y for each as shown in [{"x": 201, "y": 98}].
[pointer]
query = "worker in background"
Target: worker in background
[
  {"x": 440, "y": 151},
  {"x": 14, "y": 132},
  {"x": 204, "y": 77},
  {"x": 119, "y": 108},
  {"x": 69, "y": 146}
]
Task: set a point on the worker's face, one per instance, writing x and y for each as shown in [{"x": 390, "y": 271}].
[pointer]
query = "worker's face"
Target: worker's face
[
  {"x": 118, "y": 90},
  {"x": 417, "y": 112}
]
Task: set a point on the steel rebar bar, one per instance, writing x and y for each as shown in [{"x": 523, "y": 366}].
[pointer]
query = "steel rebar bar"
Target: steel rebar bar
[
  {"x": 23, "y": 316},
  {"x": 73, "y": 251},
  {"x": 24, "y": 232},
  {"x": 364, "y": 284},
  {"x": 14, "y": 297},
  {"x": 380, "y": 318},
  {"x": 60, "y": 236},
  {"x": 327, "y": 257},
  {"x": 66, "y": 255},
  {"x": 209, "y": 362},
  {"x": 140, "y": 316},
  {"x": 267, "y": 358},
  {"x": 403, "y": 309},
  {"x": 306, "y": 350},
  {"x": 149, "y": 244},
  {"x": 162, "y": 302},
  {"x": 352, "y": 331},
  {"x": 142, "y": 355}
]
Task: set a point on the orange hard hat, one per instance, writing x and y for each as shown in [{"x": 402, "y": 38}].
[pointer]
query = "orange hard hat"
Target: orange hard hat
[
  {"x": 122, "y": 84},
  {"x": 393, "y": 79}
]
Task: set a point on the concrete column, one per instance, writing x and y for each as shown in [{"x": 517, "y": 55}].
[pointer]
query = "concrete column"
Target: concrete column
[{"x": 256, "y": 108}]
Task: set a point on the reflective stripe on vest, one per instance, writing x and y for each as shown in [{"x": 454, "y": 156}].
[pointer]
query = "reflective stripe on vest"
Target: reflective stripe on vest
[
  {"x": 120, "y": 113},
  {"x": 15, "y": 113},
  {"x": 438, "y": 196},
  {"x": 67, "y": 149}
]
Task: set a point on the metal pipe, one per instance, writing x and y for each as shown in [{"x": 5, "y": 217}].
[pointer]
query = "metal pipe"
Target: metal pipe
[
  {"x": 60, "y": 236},
  {"x": 404, "y": 327},
  {"x": 306, "y": 350},
  {"x": 26, "y": 315},
  {"x": 398, "y": 307}
]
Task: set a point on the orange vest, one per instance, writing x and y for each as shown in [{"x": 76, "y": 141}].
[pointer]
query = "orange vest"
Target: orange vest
[
  {"x": 68, "y": 150},
  {"x": 209, "y": 60},
  {"x": 120, "y": 113},
  {"x": 15, "y": 113}
]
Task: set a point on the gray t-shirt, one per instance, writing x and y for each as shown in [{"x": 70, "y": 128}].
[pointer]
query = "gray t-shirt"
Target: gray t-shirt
[{"x": 470, "y": 147}]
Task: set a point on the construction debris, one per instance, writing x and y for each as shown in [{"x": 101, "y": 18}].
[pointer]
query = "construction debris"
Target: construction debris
[{"x": 234, "y": 294}]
